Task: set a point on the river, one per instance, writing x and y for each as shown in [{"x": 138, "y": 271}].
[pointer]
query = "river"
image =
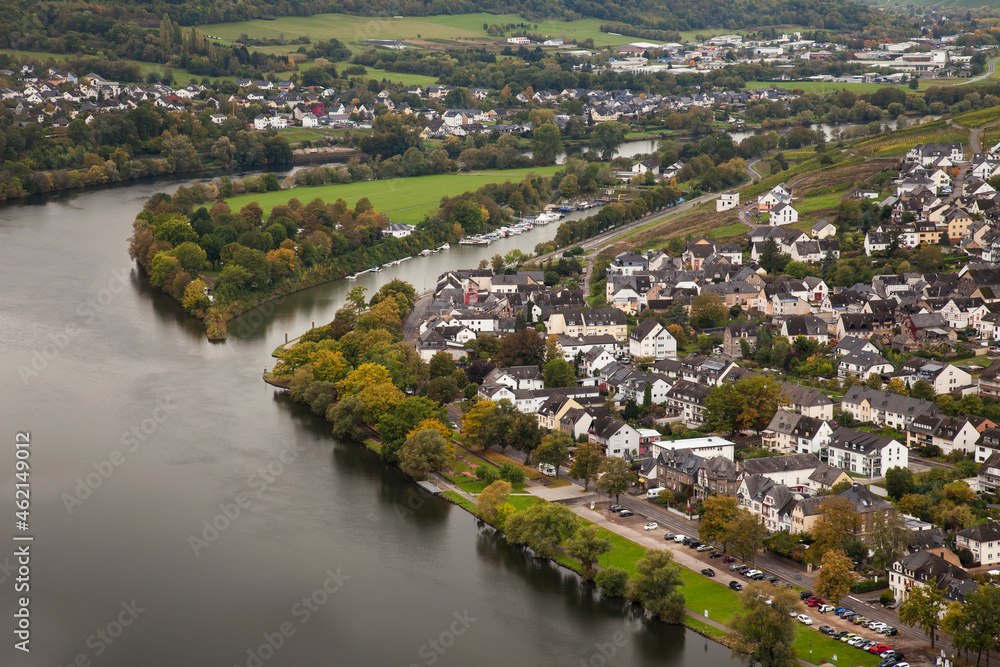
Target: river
[{"x": 186, "y": 514}]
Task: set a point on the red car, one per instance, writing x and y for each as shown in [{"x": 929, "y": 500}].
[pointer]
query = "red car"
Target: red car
[
  {"x": 879, "y": 649},
  {"x": 729, "y": 559},
  {"x": 814, "y": 602}
]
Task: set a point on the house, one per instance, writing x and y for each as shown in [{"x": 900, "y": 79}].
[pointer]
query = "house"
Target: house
[
  {"x": 865, "y": 453},
  {"x": 687, "y": 399},
  {"x": 884, "y": 408},
  {"x": 218, "y": 118},
  {"x": 772, "y": 502},
  {"x": 736, "y": 332},
  {"x": 727, "y": 201},
  {"x": 807, "y": 326},
  {"x": 863, "y": 364},
  {"x": 720, "y": 475},
  {"x": 783, "y": 214},
  {"x": 947, "y": 433},
  {"x": 849, "y": 344},
  {"x": 806, "y": 401},
  {"x": 792, "y": 433},
  {"x": 792, "y": 471},
  {"x": 989, "y": 383},
  {"x": 988, "y": 475},
  {"x": 650, "y": 339},
  {"x": 677, "y": 470},
  {"x": 944, "y": 377},
  {"x": 824, "y": 229},
  {"x": 615, "y": 436},
  {"x": 397, "y": 230},
  {"x": 708, "y": 447},
  {"x": 587, "y": 322},
  {"x": 923, "y": 569},
  {"x": 983, "y": 540},
  {"x": 516, "y": 377}
]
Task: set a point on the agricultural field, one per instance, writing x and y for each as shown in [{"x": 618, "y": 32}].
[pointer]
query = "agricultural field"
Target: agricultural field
[
  {"x": 401, "y": 199},
  {"x": 402, "y": 78},
  {"x": 354, "y": 30},
  {"x": 180, "y": 76},
  {"x": 900, "y": 141},
  {"x": 818, "y": 87},
  {"x": 978, "y": 118}
]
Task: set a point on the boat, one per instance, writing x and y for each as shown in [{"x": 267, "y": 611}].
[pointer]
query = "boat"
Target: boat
[
  {"x": 547, "y": 217},
  {"x": 353, "y": 276},
  {"x": 424, "y": 253},
  {"x": 375, "y": 269},
  {"x": 446, "y": 247}
]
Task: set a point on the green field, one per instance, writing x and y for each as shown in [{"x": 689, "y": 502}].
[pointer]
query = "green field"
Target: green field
[
  {"x": 356, "y": 29},
  {"x": 180, "y": 76},
  {"x": 402, "y": 199},
  {"x": 402, "y": 78},
  {"x": 819, "y": 87}
]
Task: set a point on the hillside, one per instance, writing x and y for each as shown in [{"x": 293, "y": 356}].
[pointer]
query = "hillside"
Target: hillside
[{"x": 62, "y": 26}]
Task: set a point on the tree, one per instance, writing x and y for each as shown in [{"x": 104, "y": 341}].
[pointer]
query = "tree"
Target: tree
[
  {"x": 716, "y": 513},
  {"x": 708, "y": 311},
  {"x": 546, "y": 142},
  {"x": 587, "y": 547},
  {"x": 521, "y": 348},
  {"x": 888, "y": 538},
  {"x": 558, "y": 373},
  {"x": 423, "y": 452},
  {"x": 764, "y": 632},
  {"x": 542, "y": 527},
  {"x": 836, "y": 576},
  {"x": 554, "y": 449},
  {"x": 586, "y": 463},
  {"x": 616, "y": 477},
  {"x": 922, "y": 608},
  {"x": 975, "y": 624},
  {"x": 613, "y": 582},
  {"x": 525, "y": 436},
  {"x": 837, "y": 525},
  {"x": 959, "y": 491},
  {"x": 441, "y": 364},
  {"x": 923, "y": 390},
  {"x": 898, "y": 482},
  {"x": 747, "y": 404},
  {"x": 657, "y": 577},
  {"x": 607, "y": 137},
  {"x": 746, "y": 533},
  {"x": 492, "y": 498},
  {"x": 475, "y": 419}
]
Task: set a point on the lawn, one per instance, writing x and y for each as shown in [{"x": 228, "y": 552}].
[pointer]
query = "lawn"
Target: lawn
[
  {"x": 407, "y": 199},
  {"x": 356, "y": 29},
  {"x": 402, "y": 78},
  {"x": 475, "y": 488},
  {"x": 728, "y": 231},
  {"x": 181, "y": 76}
]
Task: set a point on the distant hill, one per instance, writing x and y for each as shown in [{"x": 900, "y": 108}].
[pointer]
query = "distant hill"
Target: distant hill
[{"x": 91, "y": 19}]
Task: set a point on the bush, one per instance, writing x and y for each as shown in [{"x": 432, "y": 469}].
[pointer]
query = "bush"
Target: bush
[
  {"x": 886, "y": 598},
  {"x": 869, "y": 585},
  {"x": 512, "y": 473},
  {"x": 613, "y": 582},
  {"x": 486, "y": 473}
]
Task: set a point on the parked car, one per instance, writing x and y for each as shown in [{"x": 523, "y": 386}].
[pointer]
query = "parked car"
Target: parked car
[
  {"x": 736, "y": 566},
  {"x": 804, "y": 595},
  {"x": 708, "y": 572},
  {"x": 805, "y": 620},
  {"x": 705, "y": 547},
  {"x": 890, "y": 631},
  {"x": 889, "y": 661},
  {"x": 735, "y": 585},
  {"x": 615, "y": 508},
  {"x": 652, "y": 525},
  {"x": 694, "y": 544},
  {"x": 771, "y": 579},
  {"x": 669, "y": 536},
  {"x": 715, "y": 554},
  {"x": 841, "y": 634},
  {"x": 757, "y": 576},
  {"x": 841, "y": 611},
  {"x": 879, "y": 649},
  {"x": 824, "y": 608},
  {"x": 848, "y": 637},
  {"x": 626, "y": 513},
  {"x": 827, "y": 630},
  {"x": 729, "y": 559},
  {"x": 679, "y": 538}
]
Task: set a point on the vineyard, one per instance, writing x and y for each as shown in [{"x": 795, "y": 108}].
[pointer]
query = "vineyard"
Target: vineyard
[{"x": 900, "y": 141}]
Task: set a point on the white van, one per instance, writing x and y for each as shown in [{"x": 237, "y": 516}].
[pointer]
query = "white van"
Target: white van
[
  {"x": 654, "y": 493},
  {"x": 679, "y": 538},
  {"x": 547, "y": 469}
]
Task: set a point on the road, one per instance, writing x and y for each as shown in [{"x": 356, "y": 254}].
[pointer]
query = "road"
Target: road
[
  {"x": 607, "y": 238},
  {"x": 990, "y": 68}
]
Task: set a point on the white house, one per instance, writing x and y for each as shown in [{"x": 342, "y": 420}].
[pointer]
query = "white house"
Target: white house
[
  {"x": 983, "y": 540},
  {"x": 727, "y": 201},
  {"x": 398, "y": 230},
  {"x": 617, "y": 437},
  {"x": 706, "y": 447},
  {"x": 792, "y": 433},
  {"x": 310, "y": 120},
  {"x": 651, "y": 339},
  {"x": 783, "y": 214},
  {"x": 865, "y": 453},
  {"x": 516, "y": 377}
]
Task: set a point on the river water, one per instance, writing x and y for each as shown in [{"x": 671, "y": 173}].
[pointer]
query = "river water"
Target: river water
[{"x": 186, "y": 514}]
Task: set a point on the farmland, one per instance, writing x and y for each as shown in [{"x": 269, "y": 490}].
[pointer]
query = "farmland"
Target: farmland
[
  {"x": 354, "y": 30},
  {"x": 900, "y": 141},
  {"x": 402, "y": 199},
  {"x": 818, "y": 87}
]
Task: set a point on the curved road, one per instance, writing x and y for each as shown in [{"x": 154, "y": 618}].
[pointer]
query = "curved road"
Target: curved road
[{"x": 990, "y": 68}]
